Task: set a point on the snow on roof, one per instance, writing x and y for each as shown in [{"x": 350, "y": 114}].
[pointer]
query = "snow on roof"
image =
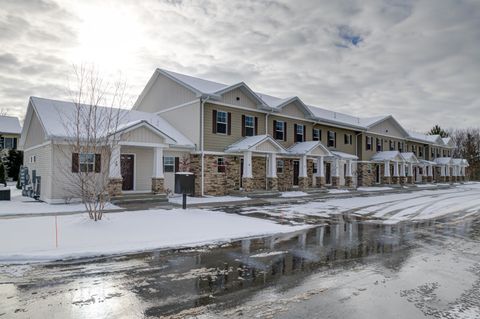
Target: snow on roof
[
  {"x": 427, "y": 162},
  {"x": 409, "y": 157},
  {"x": 435, "y": 139},
  {"x": 10, "y": 125},
  {"x": 204, "y": 86},
  {"x": 250, "y": 142},
  {"x": 305, "y": 147},
  {"x": 57, "y": 116},
  {"x": 443, "y": 160},
  {"x": 386, "y": 156},
  {"x": 345, "y": 156}
]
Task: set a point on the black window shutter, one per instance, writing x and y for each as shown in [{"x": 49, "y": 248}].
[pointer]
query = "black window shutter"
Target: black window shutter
[
  {"x": 214, "y": 121},
  {"x": 256, "y": 125},
  {"x": 295, "y": 139},
  {"x": 284, "y": 131},
  {"x": 304, "y": 133},
  {"x": 14, "y": 143},
  {"x": 98, "y": 163},
  {"x": 243, "y": 125},
  {"x": 313, "y": 133},
  {"x": 177, "y": 164},
  {"x": 229, "y": 128},
  {"x": 75, "y": 162},
  {"x": 335, "y": 139},
  {"x": 274, "y": 129}
]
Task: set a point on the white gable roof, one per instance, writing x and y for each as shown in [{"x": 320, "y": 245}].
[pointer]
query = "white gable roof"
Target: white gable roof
[
  {"x": 56, "y": 116},
  {"x": 344, "y": 156},
  {"x": 409, "y": 157},
  {"x": 387, "y": 156},
  {"x": 251, "y": 142},
  {"x": 305, "y": 148},
  {"x": 10, "y": 125},
  {"x": 443, "y": 160}
]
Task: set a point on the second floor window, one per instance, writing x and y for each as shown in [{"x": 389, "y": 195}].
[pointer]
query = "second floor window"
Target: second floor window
[
  {"x": 280, "y": 130},
  {"x": 8, "y": 143},
  {"x": 414, "y": 149},
  {"x": 368, "y": 143},
  {"x": 348, "y": 139},
  {"x": 400, "y": 147},
  {"x": 379, "y": 145},
  {"x": 222, "y": 122},
  {"x": 433, "y": 153},
  {"x": 249, "y": 125},
  {"x": 332, "y": 139},
  {"x": 299, "y": 133},
  {"x": 392, "y": 145},
  {"x": 316, "y": 134},
  {"x": 420, "y": 151}
]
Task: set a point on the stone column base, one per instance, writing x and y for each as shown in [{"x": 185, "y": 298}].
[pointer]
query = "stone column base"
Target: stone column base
[
  {"x": 247, "y": 184},
  {"x": 403, "y": 180},
  {"x": 429, "y": 179},
  {"x": 303, "y": 182},
  {"x": 386, "y": 180},
  {"x": 320, "y": 181},
  {"x": 447, "y": 179},
  {"x": 158, "y": 185},
  {"x": 395, "y": 180},
  {"x": 272, "y": 183},
  {"x": 115, "y": 186},
  {"x": 409, "y": 179},
  {"x": 335, "y": 181},
  {"x": 424, "y": 179},
  {"x": 349, "y": 181}
]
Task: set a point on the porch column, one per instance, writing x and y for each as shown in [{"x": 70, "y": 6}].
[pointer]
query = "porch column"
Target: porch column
[
  {"x": 158, "y": 184},
  {"x": 115, "y": 179},
  {"x": 247, "y": 178},
  {"x": 303, "y": 174},
  {"x": 320, "y": 172},
  {"x": 336, "y": 173},
  {"x": 410, "y": 174},
  {"x": 272, "y": 180},
  {"x": 386, "y": 172},
  {"x": 430, "y": 170},
  {"x": 348, "y": 174},
  {"x": 395, "y": 169},
  {"x": 403, "y": 178}
]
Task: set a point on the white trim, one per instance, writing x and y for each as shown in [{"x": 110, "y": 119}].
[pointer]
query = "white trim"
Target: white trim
[
  {"x": 177, "y": 107},
  {"x": 140, "y": 144},
  {"x": 134, "y": 169},
  {"x": 37, "y": 146},
  {"x": 144, "y": 123}
]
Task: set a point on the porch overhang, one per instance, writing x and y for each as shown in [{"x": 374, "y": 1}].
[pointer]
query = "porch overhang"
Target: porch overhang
[
  {"x": 122, "y": 131},
  {"x": 387, "y": 156},
  {"x": 443, "y": 161},
  {"x": 411, "y": 158},
  {"x": 344, "y": 156},
  {"x": 256, "y": 144},
  {"x": 311, "y": 148}
]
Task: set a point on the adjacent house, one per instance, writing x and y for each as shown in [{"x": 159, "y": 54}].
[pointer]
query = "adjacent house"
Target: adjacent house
[
  {"x": 234, "y": 138},
  {"x": 10, "y": 130}
]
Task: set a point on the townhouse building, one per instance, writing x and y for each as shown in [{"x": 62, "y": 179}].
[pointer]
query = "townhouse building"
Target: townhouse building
[{"x": 233, "y": 138}]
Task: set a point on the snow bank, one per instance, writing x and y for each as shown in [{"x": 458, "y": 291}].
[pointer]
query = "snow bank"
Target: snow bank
[
  {"x": 373, "y": 189},
  {"x": 338, "y": 191},
  {"x": 293, "y": 194},
  {"x": 29, "y": 239}
]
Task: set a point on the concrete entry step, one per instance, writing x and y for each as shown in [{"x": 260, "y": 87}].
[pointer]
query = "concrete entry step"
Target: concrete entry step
[
  {"x": 139, "y": 198},
  {"x": 256, "y": 193}
]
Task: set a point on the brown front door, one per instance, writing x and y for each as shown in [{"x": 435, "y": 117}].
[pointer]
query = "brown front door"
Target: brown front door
[
  {"x": 127, "y": 164},
  {"x": 296, "y": 172},
  {"x": 328, "y": 173},
  {"x": 241, "y": 172}
]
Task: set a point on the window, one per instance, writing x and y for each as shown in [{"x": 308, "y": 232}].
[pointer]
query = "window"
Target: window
[
  {"x": 444, "y": 153},
  {"x": 169, "y": 164},
  {"x": 33, "y": 159},
  {"x": 87, "y": 162},
  {"x": 332, "y": 139},
  {"x": 348, "y": 139},
  {"x": 249, "y": 125},
  {"x": 221, "y": 165},
  {"x": 279, "y": 130},
  {"x": 420, "y": 151},
  {"x": 379, "y": 145},
  {"x": 433, "y": 153},
  {"x": 315, "y": 168},
  {"x": 299, "y": 133},
  {"x": 8, "y": 143},
  {"x": 222, "y": 122},
  {"x": 316, "y": 136},
  {"x": 414, "y": 149},
  {"x": 369, "y": 143},
  {"x": 400, "y": 147},
  {"x": 392, "y": 145},
  {"x": 280, "y": 166}
]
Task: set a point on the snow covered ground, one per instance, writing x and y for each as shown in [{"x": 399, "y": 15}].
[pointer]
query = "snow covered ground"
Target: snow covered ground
[
  {"x": 417, "y": 205},
  {"x": 30, "y": 239},
  {"x": 19, "y": 205},
  {"x": 293, "y": 194},
  {"x": 209, "y": 199}
]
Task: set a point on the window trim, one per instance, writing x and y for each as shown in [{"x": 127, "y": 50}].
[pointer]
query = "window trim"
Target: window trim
[
  {"x": 168, "y": 165},
  {"x": 252, "y": 127},
  {"x": 334, "y": 139},
  {"x": 282, "y": 130},
  {"x": 318, "y": 131},
  {"x": 221, "y": 168},
  {"x": 280, "y": 168},
  {"x": 368, "y": 143},
  {"x": 302, "y": 127},
  {"x": 86, "y": 162}
]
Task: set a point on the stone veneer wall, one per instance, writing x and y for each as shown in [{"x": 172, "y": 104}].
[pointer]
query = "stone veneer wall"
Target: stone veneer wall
[
  {"x": 366, "y": 174},
  {"x": 259, "y": 172},
  {"x": 285, "y": 179}
]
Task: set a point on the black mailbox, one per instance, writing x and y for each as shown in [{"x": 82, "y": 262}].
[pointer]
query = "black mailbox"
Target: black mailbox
[{"x": 185, "y": 183}]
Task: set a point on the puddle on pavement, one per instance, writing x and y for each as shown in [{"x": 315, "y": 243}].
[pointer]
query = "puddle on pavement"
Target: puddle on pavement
[{"x": 168, "y": 282}]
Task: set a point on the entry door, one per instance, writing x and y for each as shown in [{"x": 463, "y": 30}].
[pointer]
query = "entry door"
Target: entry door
[
  {"x": 377, "y": 174},
  {"x": 296, "y": 172},
  {"x": 127, "y": 165},
  {"x": 328, "y": 173}
]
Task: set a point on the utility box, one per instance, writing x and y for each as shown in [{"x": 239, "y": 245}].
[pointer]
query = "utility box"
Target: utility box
[
  {"x": 185, "y": 183},
  {"x": 4, "y": 193}
]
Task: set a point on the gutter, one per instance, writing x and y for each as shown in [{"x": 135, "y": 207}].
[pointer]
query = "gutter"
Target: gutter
[{"x": 202, "y": 148}]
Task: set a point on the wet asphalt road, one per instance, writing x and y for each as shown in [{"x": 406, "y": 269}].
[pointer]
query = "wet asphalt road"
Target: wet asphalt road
[{"x": 349, "y": 268}]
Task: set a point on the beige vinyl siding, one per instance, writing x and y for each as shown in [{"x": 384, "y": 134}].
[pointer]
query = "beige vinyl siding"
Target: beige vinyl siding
[
  {"x": 218, "y": 142},
  {"x": 290, "y": 129},
  {"x": 366, "y": 155},
  {"x": 187, "y": 120},
  {"x": 164, "y": 94},
  {"x": 387, "y": 127},
  {"x": 341, "y": 146},
  {"x": 418, "y": 145},
  {"x": 143, "y": 166},
  {"x": 142, "y": 135},
  {"x": 244, "y": 100},
  {"x": 35, "y": 134},
  {"x": 293, "y": 110},
  {"x": 43, "y": 167}
]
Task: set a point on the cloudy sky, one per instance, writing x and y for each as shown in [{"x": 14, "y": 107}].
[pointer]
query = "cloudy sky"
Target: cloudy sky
[{"x": 418, "y": 60}]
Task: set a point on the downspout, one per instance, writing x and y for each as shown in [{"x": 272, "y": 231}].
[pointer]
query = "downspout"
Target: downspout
[
  {"x": 266, "y": 156},
  {"x": 202, "y": 138}
]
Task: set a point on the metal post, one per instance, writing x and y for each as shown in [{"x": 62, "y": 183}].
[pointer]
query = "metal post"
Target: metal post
[{"x": 184, "y": 201}]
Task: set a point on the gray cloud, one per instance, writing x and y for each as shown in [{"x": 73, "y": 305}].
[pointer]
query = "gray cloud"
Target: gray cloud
[{"x": 414, "y": 59}]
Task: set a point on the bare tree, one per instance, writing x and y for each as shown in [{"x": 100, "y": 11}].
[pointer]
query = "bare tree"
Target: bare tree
[
  {"x": 467, "y": 146},
  {"x": 91, "y": 126},
  {"x": 3, "y": 112}
]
